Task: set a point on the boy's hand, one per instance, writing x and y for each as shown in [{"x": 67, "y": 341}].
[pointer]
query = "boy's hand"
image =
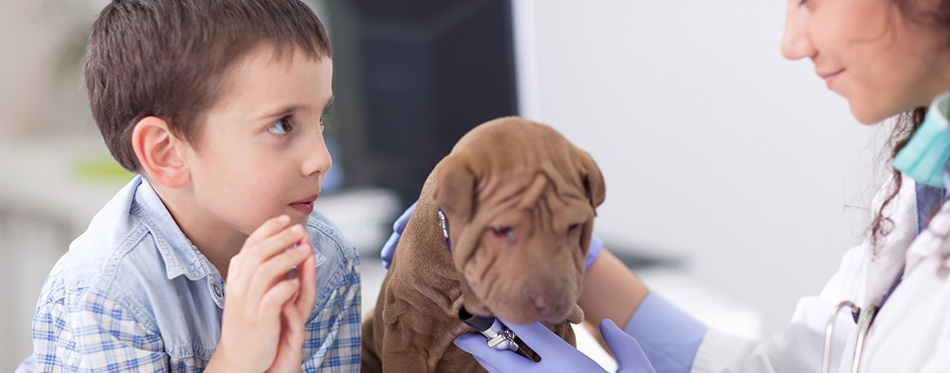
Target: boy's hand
[
  {"x": 257, "y": 290},
  {"x": 293, "y": 317}
]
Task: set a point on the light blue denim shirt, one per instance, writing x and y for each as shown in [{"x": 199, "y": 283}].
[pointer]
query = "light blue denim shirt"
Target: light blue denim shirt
[{"x": 132, "y": 293}]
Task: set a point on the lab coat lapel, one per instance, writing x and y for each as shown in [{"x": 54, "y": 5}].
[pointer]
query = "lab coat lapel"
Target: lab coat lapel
[{"x": 888, "y": 260}]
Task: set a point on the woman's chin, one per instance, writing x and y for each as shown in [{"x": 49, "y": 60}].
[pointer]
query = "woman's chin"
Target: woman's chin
[{"x": 865, "y": 115}]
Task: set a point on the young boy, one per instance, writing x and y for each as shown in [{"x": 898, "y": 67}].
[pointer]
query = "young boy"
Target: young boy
[{"x": 218, "y": 106}]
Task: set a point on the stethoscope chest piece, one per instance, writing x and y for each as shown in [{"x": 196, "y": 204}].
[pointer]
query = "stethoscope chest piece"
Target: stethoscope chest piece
[{"x": 499, "y": 337}]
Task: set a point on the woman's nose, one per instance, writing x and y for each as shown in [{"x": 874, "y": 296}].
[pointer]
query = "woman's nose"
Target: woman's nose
[{"x": 796, "y": 41}]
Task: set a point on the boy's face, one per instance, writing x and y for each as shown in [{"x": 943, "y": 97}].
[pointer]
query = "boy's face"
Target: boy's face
[{"x": 261, "y": 151}]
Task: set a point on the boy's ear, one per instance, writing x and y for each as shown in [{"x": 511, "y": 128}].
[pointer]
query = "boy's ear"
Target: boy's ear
[{"x": 158, "y": 152}]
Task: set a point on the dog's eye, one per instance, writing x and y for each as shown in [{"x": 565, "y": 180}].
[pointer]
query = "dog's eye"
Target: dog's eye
[{"x": 508, "y": 232}]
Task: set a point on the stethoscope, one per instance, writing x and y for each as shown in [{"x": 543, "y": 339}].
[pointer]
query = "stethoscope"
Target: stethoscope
[{"x": 863, "y": 318}]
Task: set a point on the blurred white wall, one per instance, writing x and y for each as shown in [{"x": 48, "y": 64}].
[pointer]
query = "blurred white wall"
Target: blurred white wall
[
  {"x": 715, "y": 149},
  {"x": 41, "y": 93},
  {"x": 41, "y": 101}
]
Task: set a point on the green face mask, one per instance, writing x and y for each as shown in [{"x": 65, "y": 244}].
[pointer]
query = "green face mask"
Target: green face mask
[{"x": 924, "y": 158}]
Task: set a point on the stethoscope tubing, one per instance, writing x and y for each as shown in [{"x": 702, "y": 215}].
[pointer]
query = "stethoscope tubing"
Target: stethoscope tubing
[{"x": 863, "y": 318}]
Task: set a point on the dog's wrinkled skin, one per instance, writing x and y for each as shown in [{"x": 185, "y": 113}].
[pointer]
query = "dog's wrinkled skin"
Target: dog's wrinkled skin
[{"x": 519, "y": 199}]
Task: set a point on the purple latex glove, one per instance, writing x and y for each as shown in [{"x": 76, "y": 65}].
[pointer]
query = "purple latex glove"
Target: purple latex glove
[
  {"x": 556, "y": 354},
  {"x": 389, "y": 248}
]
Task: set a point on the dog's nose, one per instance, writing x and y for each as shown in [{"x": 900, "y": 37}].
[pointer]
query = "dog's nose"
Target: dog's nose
[{"x": 548, "y": 304}]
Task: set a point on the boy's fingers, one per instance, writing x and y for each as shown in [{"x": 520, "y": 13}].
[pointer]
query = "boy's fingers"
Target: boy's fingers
[
  {"x": 274, "y": 299},
  {"x": 235, "y": 271},
  {"x": 308, "y": 286},
  {"x": 277, "y": 268},
  {"x": 295, "y": 322},
  {"x": 258, "y": 255},
  {"x": 269, "y": 228},
  {"x": 278, "y": 242},
  {"x": 250, "y": 255}
]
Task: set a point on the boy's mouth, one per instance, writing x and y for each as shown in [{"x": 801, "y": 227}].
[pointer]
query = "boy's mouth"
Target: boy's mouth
[{"x": 306, "y": 205}]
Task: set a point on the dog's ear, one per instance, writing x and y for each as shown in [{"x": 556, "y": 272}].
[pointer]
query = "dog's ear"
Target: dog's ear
[
  {"x": 455, "y": 187},
  {"x": 591, "y": 176}
]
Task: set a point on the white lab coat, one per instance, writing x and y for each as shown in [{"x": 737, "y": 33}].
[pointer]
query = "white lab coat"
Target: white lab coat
[{"x": 911, "y": 332}]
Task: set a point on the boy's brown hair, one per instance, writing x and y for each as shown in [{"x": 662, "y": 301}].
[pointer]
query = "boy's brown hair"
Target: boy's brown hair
[{"x": 168, "y": 58}]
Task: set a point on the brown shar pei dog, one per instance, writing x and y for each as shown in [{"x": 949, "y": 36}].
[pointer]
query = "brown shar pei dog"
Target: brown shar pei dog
[{"x": 519, "y": 200}]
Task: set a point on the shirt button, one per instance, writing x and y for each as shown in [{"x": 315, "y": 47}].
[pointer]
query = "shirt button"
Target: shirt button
[{"x": 217, "y": 290}]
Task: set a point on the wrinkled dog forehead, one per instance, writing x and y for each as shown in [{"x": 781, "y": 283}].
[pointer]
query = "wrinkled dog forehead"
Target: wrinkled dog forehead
[
  {"x": 509, "y": 164},
  {"x": 539, "y": 202},
  {"x": 534, "y": 220}
]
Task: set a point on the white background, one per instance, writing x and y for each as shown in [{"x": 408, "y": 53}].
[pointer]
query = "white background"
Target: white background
[{"x": 715, "y": 149}]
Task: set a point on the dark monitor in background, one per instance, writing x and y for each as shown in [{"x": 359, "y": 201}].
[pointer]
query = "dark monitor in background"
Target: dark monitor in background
[{"x": 410, "y": 78}]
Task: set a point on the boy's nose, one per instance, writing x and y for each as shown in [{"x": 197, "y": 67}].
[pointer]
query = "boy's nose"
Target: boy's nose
[
  {"x": 796, "y": 41},
  {"x": 317, "y": 159}
]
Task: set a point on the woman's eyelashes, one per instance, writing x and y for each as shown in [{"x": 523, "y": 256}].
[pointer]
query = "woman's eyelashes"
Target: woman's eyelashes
[{"x": 280, "y": 127}]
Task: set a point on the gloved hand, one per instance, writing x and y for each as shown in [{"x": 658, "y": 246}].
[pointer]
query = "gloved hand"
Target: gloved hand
[
  {"x": 556, "y": 354},
  {"x": 389, "y": 248}
]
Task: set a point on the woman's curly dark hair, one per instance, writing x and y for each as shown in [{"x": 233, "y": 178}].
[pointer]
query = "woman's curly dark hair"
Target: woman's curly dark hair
[{"x": 908, "y": 122}]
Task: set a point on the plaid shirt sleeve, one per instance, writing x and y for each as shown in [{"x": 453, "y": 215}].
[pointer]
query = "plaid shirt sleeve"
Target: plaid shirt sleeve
[
  {"x": 333, "y": 336},
  {"x": 88, "y": 332}
]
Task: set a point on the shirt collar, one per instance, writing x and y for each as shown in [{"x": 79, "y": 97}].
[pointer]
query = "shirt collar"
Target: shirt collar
[{"x": 181, "y": 257}]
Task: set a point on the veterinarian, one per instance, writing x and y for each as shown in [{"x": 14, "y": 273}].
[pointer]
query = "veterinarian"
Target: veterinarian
[{"x": 888, "y": 307}]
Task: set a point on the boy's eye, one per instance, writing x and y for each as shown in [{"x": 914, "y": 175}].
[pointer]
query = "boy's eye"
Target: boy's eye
[
  {"x": 323, "y": 117},
  {"x": 280, "y": 127}
]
